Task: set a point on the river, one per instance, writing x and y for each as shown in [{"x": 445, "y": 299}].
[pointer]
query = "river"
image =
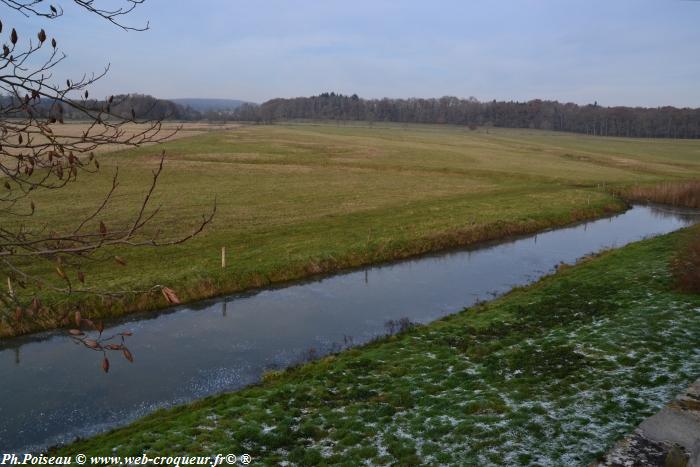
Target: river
[{"x": 53, "y": 390}]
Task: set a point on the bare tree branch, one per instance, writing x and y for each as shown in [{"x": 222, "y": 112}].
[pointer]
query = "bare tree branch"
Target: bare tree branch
[
  {"x": 37, "y": 154},
  {"x": 45, "y": 10}
]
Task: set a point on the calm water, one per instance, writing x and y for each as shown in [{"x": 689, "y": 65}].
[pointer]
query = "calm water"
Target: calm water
[{"x": 53, "y": 390}]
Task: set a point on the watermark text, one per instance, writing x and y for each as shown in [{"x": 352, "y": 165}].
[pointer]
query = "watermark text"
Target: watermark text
[{"x": 219, "y": 460}]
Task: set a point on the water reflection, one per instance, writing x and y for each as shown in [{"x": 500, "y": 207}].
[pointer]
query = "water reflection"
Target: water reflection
[
  {"x": 56, "y": 391},
  {"x": 670, "y": 212}
]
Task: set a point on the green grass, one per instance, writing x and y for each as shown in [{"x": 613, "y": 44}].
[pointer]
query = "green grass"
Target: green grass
[
  {"x": 295, "y": 200},
  {"x": 551, "y": 374}
]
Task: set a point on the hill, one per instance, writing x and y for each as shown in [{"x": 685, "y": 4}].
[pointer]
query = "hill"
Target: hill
[
  {"x": 205, "y": 105},
  {"x": 139, "y": 106}
]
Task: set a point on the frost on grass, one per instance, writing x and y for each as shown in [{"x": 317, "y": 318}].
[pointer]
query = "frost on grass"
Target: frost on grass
[
  {"x": 552, "y": 375},
  {"x": 570, "y": 419},
  {"x": 561, "y": 397}
]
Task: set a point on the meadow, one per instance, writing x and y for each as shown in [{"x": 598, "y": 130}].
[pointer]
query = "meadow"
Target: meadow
[{"x": 295, "y": 200}]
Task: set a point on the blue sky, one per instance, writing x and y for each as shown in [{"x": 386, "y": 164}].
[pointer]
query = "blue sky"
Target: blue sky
[{"x": 621, "y": 52}]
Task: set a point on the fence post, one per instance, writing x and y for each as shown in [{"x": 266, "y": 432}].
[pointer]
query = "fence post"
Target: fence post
[{"x": 223, "y": 257}]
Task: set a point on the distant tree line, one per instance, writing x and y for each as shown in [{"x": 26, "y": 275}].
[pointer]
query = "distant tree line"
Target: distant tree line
[
  {"x": 127, "y": 106},
  {"x": 592, "y": 119},
  {"x": 151, "y": 108}
]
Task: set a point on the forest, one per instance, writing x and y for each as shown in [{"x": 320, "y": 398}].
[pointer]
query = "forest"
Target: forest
[{"x": 593, "y": 119}]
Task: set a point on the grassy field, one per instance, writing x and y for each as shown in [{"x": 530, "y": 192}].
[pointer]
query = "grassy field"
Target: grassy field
[
  {"x": 295, "y": 200},
  {"x": 551, "y": 374}
]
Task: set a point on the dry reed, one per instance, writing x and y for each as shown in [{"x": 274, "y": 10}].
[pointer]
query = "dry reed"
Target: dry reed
[
  {"x": 686, "y": 194},
  {"x": 686, "y": 264}
]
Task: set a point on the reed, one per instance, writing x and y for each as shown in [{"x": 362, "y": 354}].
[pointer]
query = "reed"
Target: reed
[
  {"x": 685, "y": 266},
  {"x": 686, "y": 194}
]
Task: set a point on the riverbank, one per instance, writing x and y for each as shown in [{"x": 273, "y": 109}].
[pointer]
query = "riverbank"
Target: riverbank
[
  {"x": 552, "y": 373},
  {"x": 244, "y": 277}
]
